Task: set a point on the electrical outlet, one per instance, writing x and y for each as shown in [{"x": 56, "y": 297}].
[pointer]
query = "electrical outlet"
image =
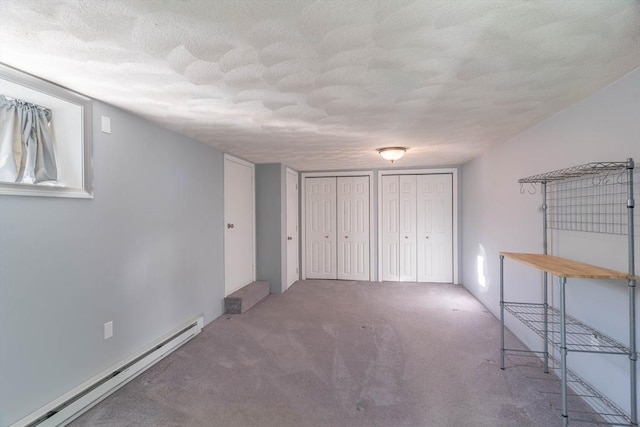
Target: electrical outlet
[{"x": 108, "y": 330}]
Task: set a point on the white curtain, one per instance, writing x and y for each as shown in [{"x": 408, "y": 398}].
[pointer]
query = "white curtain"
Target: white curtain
[{"x": 26, "y": 143}]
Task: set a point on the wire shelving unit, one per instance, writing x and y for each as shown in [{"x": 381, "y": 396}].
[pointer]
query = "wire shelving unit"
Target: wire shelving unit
[{"x": 596, "y": 198}]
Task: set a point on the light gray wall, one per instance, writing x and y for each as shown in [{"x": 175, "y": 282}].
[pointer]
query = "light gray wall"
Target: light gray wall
[
  {"x": 270, "y": 225},
  {"x": 497, "y": 217},
  {"x": 146, "y": 252}
]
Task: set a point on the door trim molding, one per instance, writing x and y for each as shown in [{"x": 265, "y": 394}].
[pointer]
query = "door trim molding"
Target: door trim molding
[
  {"x": 252, "y": 166},
  {"x": 303, "y": 228},
  {"x": 454, "y": 176}
]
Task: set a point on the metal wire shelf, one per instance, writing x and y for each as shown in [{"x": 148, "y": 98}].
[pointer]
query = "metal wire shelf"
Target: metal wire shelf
[
  {"x": 602, "y": 407},
  {"x": 576, "y": 171},
  {"x": 590, "y": 405},
  {"x": 580, "y": 337}
]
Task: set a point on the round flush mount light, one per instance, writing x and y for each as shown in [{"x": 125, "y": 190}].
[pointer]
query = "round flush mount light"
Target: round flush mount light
[{"x": 392, "y": 153}]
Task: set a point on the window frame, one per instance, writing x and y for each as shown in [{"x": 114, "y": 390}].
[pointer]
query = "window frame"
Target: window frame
[{"x": 85, "y": 104}]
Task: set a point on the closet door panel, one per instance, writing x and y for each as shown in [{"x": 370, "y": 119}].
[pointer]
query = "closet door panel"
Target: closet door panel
[
  {"x": 390, "y": 256},
  {"x": 320, "y": 223},
  {"x": 345, "y": 212},
  {"x": 407, "y": 226},
  {"x": 353, "y": 228},
  {"x": 435, "y": 228}
]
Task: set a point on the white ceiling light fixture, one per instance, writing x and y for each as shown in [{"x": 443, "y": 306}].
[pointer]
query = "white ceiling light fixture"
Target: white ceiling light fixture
[{"x": 392, "y": 153}]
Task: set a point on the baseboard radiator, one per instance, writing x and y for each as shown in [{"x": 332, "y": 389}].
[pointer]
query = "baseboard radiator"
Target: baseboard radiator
[{"x": 74, "y": 403}]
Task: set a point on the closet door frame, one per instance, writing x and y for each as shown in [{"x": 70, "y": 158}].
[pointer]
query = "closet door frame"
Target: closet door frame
[
  {"x": 454, "y": 177},
  {"x": 372, "y": 227}
]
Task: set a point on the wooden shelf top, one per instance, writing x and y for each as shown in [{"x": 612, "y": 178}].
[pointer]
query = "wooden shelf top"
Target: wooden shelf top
[{"x": 563, "y": 267}]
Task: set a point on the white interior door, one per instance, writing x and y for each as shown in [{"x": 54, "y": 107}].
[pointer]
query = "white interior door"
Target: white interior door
[
  {"x": 320, "y": 228},
  {"x": 353, "y": 227},
  {"x": 390, "y": 256},
  {"x": 292, "y": 227},
  {"x": 435, "y": 228},
  {"x": 408, "y": 251},
  {"x": 239, "y": 208}
]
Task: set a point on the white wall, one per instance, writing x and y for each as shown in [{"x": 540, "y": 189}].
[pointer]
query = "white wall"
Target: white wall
[
  {"x": 496, "y": 217},
  {"x": 146, "y": 252}
]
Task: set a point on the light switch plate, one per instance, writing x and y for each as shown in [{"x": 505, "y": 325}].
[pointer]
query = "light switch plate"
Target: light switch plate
[
  {"x": 108, "y": 330},
  {"x": 106, "y": 124}
]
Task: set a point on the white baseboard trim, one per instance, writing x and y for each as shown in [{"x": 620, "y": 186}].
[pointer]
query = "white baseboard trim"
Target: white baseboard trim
[{"x": 71, "y": 405}]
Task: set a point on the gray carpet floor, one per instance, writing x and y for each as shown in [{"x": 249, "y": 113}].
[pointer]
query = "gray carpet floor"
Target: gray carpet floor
[{"x": 340, "y": 353}]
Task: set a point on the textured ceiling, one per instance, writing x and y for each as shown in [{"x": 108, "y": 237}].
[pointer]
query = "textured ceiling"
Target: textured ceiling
[{"x": 321, "y": 84}]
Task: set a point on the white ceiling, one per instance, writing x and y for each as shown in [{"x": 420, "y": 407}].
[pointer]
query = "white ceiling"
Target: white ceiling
[{"x": 321, "y": 85}]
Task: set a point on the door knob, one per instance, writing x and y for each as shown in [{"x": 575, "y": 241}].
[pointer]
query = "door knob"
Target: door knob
[
  {"x": 230, "y": 225},
  {"x": 346, "y": 237},
  {"x": 289, "y": 238},
  {"x": 426, "y": 237},
  {"x": 406, "y": 237},
  {"x": 326, "y": 237}
]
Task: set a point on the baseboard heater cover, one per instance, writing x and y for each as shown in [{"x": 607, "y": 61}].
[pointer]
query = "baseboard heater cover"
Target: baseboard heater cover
[{"x": 74, "y": 403}]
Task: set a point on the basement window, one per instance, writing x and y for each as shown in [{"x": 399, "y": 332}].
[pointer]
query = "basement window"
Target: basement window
[{"x": 45, "y": 138}]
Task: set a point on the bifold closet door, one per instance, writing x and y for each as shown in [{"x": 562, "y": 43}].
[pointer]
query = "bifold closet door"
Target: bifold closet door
[
  {"x": 353, "y": 228},
  {"x": 417, "y": 228},
  {"x": 320, "y": 228},
  {"x": 435, "y": 228}
]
